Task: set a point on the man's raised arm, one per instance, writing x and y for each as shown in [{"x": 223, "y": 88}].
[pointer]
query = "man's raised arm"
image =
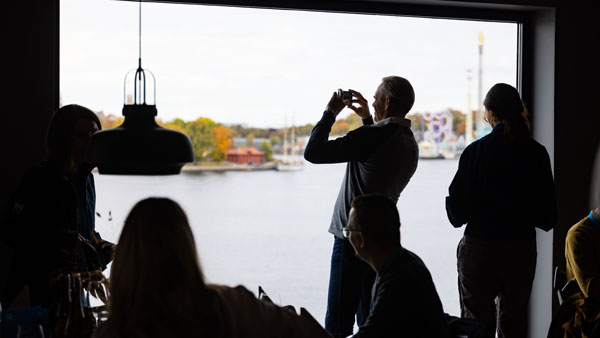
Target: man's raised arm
[{"x": 355, "y": 146}]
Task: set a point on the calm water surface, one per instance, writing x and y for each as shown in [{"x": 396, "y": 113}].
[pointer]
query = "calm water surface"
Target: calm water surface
[{"x": 269, "y": 228}]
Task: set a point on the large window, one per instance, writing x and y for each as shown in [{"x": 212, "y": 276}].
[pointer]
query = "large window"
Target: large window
[{"x": 244, "y": 68}]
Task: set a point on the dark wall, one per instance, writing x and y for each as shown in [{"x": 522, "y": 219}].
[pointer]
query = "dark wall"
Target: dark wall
[
  {"x": 577, "y": 116},
  {"x": 29, "y": 88},
  {"x": 29, "y": 93}
]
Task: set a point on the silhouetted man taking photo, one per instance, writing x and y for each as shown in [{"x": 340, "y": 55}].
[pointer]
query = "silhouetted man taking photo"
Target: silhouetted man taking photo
[{"x": 382, "y": 156}]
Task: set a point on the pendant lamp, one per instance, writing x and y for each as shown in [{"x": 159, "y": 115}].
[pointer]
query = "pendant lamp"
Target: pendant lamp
[{"x": 140, "y": 146}]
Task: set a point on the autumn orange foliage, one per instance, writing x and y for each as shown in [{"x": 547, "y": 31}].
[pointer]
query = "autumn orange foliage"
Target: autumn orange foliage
[{"x": 223, "y": 141}]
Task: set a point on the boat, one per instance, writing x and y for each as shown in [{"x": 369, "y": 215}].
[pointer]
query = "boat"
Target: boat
[
  {"x": 429, "y": 151},
  {"x": 280, "y": 166},
  {"x": 291, "y": 163}
]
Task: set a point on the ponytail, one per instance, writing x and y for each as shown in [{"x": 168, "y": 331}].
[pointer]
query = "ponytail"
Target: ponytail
[{"x": 506, "y": 107}]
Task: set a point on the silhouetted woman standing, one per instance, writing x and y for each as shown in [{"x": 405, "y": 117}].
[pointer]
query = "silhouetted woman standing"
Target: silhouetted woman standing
[
  {"x": 51, "y": 217},
  {"x": 503, "y": 190}
]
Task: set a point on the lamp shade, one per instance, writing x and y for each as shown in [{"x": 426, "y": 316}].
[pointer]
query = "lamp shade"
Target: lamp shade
[{"x": 140, "y": 146}]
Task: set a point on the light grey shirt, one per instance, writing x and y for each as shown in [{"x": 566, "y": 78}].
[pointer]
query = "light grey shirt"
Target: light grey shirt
[{"x": 381, "y": 157}]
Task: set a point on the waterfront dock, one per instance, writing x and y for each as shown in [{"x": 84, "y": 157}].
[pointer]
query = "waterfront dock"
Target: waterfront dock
[{"x": 228, "y": 166}]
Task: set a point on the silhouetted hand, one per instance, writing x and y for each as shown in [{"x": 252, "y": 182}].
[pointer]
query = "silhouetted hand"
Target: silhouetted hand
[
  {"x": 336, "y": 104},
  {"x": 362, "y": 109}
]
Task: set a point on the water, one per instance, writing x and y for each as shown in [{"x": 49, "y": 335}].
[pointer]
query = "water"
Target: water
[{"x": 269, "y": 228}]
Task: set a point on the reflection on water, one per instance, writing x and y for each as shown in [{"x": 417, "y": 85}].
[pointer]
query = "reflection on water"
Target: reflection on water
[{"x": 269, "y": 228}]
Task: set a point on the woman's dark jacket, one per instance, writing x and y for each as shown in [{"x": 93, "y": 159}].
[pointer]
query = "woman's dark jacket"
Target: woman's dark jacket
[
  {"x": 503, "y": 188},
  {"x": 45, "y": 217}
]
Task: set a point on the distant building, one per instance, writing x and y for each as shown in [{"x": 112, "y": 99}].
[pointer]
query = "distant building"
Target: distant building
[
  {"x": 246, "y": 155},
  {"x": 301, "y": 142},
  {"x": 243, "y": 142}
]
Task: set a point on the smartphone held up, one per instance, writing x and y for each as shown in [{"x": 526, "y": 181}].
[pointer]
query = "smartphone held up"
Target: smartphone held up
[{"x": 347, "y": 97}]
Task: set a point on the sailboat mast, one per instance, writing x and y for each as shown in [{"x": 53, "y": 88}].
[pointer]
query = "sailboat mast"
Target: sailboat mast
[
  {"x": 285, "y": 141},
  {"x": 292, "y": 140}
]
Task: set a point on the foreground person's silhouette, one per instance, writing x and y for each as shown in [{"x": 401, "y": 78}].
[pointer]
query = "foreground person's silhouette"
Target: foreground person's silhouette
[{"x": 158, "y": 289}]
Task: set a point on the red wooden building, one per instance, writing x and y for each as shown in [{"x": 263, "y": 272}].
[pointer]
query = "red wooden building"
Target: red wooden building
[{"x": 246, "y": 155}]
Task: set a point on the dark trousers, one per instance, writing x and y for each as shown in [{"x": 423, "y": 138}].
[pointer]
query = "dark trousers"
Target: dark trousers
[
  {"x": 350, "y": 283},
  {"x": 495, "y": 279}
]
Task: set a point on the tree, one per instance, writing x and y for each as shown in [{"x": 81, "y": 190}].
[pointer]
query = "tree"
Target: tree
[
  {"x": 268, "y": 152},
  {"x": 340, "y": 127},
  {"x": 178, "y": 122},
  {"x": 305, "y": 130},
  {"x": 239, "y": 130},
  {"x": 250, "y": 140},
  {"x": 223, "y": 141},
  {"x": 344, "y": 125},
  {"x": 173, "y": 125},
  {"x": 275, "y": 140},
  {"x": 417, "y": 125},
  {"x": 110, "y": 120},
  {"x": 354, "y": 121},
  {"x": 202, "y": 135},
  {"x": 458, "y": 122}
]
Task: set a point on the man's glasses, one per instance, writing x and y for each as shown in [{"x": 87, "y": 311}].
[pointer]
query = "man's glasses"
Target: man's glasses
[{"x": 346, "y": 232}]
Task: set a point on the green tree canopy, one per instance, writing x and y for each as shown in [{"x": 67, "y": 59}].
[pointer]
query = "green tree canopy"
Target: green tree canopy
[
  {"x": 202, "y": 135},
  {"x": 266, "y": 148}
]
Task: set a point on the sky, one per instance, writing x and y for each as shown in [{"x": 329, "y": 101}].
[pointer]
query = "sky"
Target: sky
[{"x": 271, "y": 68}]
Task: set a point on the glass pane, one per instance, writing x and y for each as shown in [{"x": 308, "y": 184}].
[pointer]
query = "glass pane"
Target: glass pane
[{"x": 268, "y": 70}]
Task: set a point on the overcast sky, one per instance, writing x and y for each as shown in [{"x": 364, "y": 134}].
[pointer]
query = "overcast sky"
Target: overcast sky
[{"x": 257, "y": 67}]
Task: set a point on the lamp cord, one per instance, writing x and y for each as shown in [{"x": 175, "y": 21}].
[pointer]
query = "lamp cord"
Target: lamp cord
[{"x": 140, "y": 36}]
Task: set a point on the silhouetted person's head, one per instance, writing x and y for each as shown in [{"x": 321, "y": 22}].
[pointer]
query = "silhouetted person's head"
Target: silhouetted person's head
[
  {"x": 69, "y": 134},
  {"x": 394, "y": 97},
  {"x": 155, "y": 268},
  {"x": 503, "y": 105},
  {"x": 373, "y": 226}
]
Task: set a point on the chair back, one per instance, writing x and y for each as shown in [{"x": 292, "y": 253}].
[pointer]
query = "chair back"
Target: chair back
[{"x": 563, "y": 288}]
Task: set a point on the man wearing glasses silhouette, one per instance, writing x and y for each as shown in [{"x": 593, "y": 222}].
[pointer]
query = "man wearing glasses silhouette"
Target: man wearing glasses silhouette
[
  {"x": 381, "y": 157},
  {"x": 405, "y": 302}
]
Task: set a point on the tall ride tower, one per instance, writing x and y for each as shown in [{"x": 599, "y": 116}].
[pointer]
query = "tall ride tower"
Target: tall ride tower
[
  {"x": 482, "y": 127},
  {"x": 479, "y": 121},
  {"x": 469, "y": 115}
]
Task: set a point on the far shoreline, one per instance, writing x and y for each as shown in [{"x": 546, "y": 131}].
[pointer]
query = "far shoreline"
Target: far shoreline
[{"x": 227, "y": 166}]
